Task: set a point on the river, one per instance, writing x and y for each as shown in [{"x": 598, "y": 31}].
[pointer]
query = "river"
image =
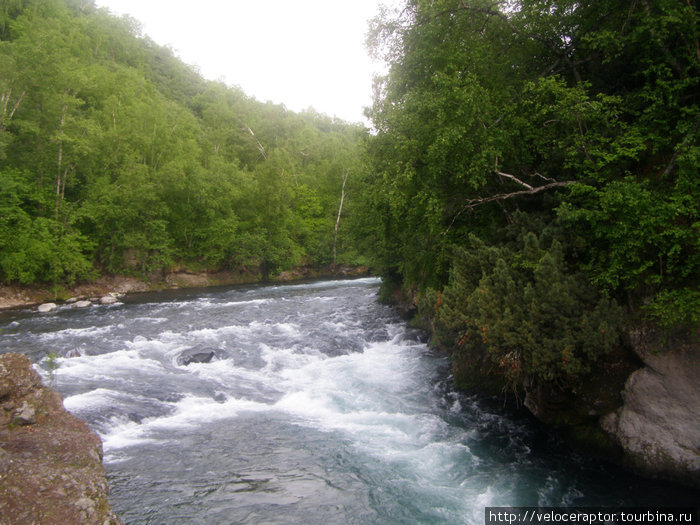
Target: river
[{"x": 320, "y": 406}]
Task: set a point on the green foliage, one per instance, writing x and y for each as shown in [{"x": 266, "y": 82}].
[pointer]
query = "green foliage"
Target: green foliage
[
  {"x": 51, "y": 366},
  {"x": 642, "y": 239},
  {"x": 671, "y": 307},
  {"x": 117, "y": 157},
  {"x": 580, "y": 114},
  {"x": 36, "y": 248},
  {"x": 41, "y": 251},
  {"x": 537, "y": 320}
]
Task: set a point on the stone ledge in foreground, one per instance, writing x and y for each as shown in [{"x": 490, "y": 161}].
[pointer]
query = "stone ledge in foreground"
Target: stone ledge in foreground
[{"x": 50, "y": 461}]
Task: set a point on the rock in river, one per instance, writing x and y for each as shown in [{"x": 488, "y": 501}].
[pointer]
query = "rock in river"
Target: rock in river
[
  {"x": 195, "y": 356},
  {"x": 108, "y": 299},
  {"x": 47, "y": 307},
  {"x": 81, "y": 304}
]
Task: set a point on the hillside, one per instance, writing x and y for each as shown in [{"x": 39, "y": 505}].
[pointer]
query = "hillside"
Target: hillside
[{"x": 115, "y": 157}]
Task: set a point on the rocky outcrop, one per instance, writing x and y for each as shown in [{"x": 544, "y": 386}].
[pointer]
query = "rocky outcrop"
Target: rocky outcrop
[
  {"x": 50, "y": 461},
  {"x": 658, "y": 426}
]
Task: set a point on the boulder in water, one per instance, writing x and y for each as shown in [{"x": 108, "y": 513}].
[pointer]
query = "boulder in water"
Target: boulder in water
[
  {"x": 108, "y": 299},
  {"x": 81, "y": 304},
  {"x": 195, "y": 356},
  {"x": 47, "y": 307}
]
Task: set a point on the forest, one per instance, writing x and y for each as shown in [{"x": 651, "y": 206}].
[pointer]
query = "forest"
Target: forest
[
  {"x": 116, "y": 157},
  {"x": 535, "y": 182},
  {"x": 530, "y": 182}
]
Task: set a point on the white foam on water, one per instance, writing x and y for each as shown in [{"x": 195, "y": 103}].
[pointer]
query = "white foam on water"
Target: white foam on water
[
  {"x": 373, "y": 399},
  {"x": 380, "y": 402},
  {"x": 189, "y": 412},
  {"x": 123, "y": 433},
  {"x": 106, "y": 366},
  {"x": 154, "y": 320},
  {"x": 193, "y": 411},
  {"x": 167, "y": 343},
  {"x": 280, "y": 329},
  {"x": 97, "y": 398},
  {"x": 280, "y": 360},
  {"x": 329, "y": 284},
  {"x": 224, "y": 372},
  {"x": 216, "y": 334},
  {"x": 92, "y": 331},
  {"x": 250, "y": 302}
]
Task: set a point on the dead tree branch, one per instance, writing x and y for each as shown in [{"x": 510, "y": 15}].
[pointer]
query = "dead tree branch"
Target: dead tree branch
[
  {"x": 260, "y": 147},
  {"x": 473, "y": 203},
  {"x": 515, "y": 179},
  {"x": 337, "y": 221}
]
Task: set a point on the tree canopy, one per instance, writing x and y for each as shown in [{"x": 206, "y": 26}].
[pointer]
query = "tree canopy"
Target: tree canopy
[
  {"x": 116, "y": 157},
  {"x": 556, "y": 141}
]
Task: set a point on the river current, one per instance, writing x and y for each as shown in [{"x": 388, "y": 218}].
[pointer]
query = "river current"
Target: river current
[{"x": 320, "y": 406}]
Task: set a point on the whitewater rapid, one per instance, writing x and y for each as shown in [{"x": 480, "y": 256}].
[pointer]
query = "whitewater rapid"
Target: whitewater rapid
[{"x": 320, "y": 405}]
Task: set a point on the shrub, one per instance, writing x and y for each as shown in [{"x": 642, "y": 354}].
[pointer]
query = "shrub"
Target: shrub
[{"x": 537, "y": 320}]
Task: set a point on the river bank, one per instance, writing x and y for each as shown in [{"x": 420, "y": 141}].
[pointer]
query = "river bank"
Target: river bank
[
  {"x": 639, "y": 407},
  {"x": 13, "y": 296}
]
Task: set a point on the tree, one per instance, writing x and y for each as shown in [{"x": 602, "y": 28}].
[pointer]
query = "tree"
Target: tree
[{"x": 337, "y": 220}]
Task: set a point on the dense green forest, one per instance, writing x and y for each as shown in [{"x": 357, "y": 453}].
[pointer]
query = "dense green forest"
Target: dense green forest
[
  {"x": 535, "y": 180},
  {"x": 115, "y": 157}
]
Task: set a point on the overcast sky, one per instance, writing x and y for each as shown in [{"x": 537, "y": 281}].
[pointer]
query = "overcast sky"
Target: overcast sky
[{"x": 300, "y": 53}]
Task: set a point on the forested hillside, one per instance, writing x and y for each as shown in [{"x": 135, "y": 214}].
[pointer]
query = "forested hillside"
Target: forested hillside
[
  {"x": 536, "y": 178},
  {"x": 115, "y": 157}
]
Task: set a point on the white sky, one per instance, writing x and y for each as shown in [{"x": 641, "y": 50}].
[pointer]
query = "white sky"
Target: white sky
[{"x": 302, "y": 53}]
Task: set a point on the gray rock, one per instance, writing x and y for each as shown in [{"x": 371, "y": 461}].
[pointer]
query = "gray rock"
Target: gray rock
[
  {"x": 195, "y": 356},
  {"x": 73, "y": 353},
  {"x": 47, "y": 307},
  {"x": 659, "y": 424},
  {"x": 108, "y": 299},
  {"x": 82, "y": 304},
  {"x": 24, "y": 415}
]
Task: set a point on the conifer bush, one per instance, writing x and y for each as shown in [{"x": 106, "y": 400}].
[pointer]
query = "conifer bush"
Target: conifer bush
[{"x": 537, "y": 320}]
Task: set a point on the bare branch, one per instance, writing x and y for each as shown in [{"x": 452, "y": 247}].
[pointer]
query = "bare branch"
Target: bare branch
[
  {"x": 19, "y": 100},
  {"x": 473, "y": 203},
  {"x": 538, "y": 174},
  {"x": 260, "y": 147},
  {"x": 515, "y": 179}
]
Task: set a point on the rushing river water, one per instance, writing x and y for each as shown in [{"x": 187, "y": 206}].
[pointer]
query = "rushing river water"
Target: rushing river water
[{"x": 320, "y": 407}]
